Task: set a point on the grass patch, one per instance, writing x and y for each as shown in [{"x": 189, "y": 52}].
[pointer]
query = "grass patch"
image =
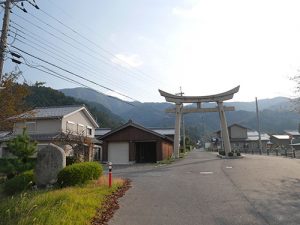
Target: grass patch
[
  {"x": 182, "y": 154},
  {"x": 68, "y": 206},
  {"x": 166, "y": 161}
]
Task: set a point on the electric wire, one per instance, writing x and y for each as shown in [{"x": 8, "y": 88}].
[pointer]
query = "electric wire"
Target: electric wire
[
  {"x": 65, "y": 78},
  {"x": 66, "y": 61},
  {"x": 102, "y": 59},
  {"x": 78, "y": 65},
  {"x": 90, "y": 41},
  {"x": 72, "y": 73},
  {"x": 89, "y": 65}
]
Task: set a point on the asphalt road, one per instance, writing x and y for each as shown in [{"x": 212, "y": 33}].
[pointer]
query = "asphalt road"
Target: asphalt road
[{"x": 203, "y": 189}]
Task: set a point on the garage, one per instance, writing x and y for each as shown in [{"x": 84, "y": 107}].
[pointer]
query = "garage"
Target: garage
[
  {"x": 118, "y": 152},
  {"x": 145, "y": 152},
  {"x": 133, "y": 143}
]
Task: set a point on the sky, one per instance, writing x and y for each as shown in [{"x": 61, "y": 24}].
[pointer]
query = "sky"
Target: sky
[{"x": 135, "y": 47}]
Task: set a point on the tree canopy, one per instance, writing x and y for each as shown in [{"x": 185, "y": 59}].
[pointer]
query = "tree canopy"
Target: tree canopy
[{"x": 12, "y": 99}]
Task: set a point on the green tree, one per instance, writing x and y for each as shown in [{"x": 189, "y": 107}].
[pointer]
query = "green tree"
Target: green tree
[
  {"x": 12, "y": 99},
  {"x": 22, "y": 147}
]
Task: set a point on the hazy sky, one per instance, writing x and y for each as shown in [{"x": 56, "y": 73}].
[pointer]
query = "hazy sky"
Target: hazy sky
[{"x": 138, "y": 46}]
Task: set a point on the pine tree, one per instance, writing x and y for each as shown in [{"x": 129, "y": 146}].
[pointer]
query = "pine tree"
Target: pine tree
[{"x": 22, "y": 147}]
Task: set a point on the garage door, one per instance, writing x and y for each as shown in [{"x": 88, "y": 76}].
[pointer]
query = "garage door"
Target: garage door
[{"x": 118, "y": 152}]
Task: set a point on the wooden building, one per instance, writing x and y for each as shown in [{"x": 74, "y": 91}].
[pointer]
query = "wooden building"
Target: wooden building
[{"x": 133, "y": 143}]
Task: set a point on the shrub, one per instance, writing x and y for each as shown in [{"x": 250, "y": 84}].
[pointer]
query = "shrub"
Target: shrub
[
  {"x": 238, "y": 154},
  {"x": 79, "y": 173},
  {"x": 230, "y": 154},
  {"x": 19, "y": 183},
  {"x": 12, "y": 166},
  {"x": 70, "y": 160},
  {"x": 222, "y": 152}
]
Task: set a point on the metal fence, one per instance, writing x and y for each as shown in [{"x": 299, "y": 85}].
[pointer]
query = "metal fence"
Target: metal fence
[{"x": 280, "y": 151}]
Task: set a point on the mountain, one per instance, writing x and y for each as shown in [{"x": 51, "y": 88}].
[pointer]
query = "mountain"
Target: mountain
[
  {"x": 41, "y": 96},
  {"x": 109, "y": 102},
  {"x": 276, "y": 114}
]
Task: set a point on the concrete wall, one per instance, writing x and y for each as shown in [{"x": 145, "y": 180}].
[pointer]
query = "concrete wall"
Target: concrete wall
[
  {"x": 74, "y": 122},
  {"x": 41, "y": 126},
  {"x": 237, "y": 132}
]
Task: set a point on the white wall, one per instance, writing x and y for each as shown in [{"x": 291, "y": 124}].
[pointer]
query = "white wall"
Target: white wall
[
  {"x": 41, "y": 126},
  {"x": 76, "y": 120}
]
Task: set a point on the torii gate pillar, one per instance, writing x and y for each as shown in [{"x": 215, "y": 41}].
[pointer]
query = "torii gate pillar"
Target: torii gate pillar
[
  {"x": 177, "y": 130},
  {"x": 224, "y": 129}
]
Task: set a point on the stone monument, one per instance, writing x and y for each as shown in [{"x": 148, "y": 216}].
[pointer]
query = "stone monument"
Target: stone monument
[{"x": 50, "y": 160}]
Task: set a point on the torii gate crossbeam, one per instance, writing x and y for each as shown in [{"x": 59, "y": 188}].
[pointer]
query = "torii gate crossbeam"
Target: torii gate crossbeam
[{"x": 218, "y": 98}]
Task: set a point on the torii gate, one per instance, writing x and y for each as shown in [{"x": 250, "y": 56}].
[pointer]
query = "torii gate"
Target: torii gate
[{"x": 218, "y": 98}]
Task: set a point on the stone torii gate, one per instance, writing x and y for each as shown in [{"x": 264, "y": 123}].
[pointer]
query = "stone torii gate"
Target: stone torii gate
[{"x": 179, "y": 110}]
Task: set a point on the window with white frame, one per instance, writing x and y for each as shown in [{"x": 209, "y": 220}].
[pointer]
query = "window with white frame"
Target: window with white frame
[
  {"x": 89, "y": 131},
  {"x": 80, "y": 129},
  {"x": 71, "y": 126},
  {"x": 30, "y": 126}
]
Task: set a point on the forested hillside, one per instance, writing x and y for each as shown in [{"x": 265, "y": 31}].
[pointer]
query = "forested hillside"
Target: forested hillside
[
  {"x": 40, "y": 96},
  {"x": 276, "y": 114}
]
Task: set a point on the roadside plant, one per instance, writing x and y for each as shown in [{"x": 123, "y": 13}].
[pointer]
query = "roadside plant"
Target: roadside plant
[
  {"x": 19, "y": 183},
  {"x": 79, "y": 173},
  {"x": 22, "y": 147}
]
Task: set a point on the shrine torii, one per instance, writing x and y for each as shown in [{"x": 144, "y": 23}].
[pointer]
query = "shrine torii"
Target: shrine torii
[{"x": 179, "y": 110}]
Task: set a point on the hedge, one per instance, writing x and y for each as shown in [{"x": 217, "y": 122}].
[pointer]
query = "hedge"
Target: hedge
[
  {"x": 221, "y": 152},
  {"x": 19, "y": 183},
  {"x": 79, "y": 173},
  {"x": 230, "y": 154}
]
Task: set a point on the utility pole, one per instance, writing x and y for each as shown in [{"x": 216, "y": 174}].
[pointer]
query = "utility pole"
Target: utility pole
[
  {"x": 5, "y": 25},
  {"x": 258, "y": 128},
  {"x": 3, "y": 41}
]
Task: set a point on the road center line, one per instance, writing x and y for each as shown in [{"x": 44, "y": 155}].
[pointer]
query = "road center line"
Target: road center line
[{"x": 206, "y": 172}]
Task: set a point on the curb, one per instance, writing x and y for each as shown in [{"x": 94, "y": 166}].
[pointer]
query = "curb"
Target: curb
[{"x": 230, "y": 157}]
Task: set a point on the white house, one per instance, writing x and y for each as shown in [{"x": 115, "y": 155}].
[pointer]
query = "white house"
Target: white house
[{"x": 48, "y": 124}]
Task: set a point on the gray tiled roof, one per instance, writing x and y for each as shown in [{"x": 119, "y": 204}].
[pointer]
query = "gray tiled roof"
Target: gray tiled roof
[
  {"x": 48, "y": 112},
  {"x": 292, "y": 132}
]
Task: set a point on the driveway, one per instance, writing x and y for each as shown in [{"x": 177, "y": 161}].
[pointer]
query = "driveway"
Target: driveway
[{"x": 203, "y": 189}]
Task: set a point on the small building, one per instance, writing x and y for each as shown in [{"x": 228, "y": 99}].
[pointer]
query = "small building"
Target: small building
[
  {"x": 52, "y": 124},
  {"x": 99, "y": 132},
  {"x": 169, "y": 132},
  {"x": 244, "y": 139},
  {"x": 280, "y": 140},
  {"x": 133, "y": 143},
  {"x": 253, "y": 139}
]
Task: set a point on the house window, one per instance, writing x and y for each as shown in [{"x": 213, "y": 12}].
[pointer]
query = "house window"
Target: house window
[
  {"x": 71, "y": 126},
  {"x": 89, "y": 131},
  {"x": 30, "y": 126},
  {"x": 80, "y": 129}
]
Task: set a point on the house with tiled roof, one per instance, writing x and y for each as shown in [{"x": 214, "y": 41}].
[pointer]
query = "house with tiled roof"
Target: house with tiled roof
[
  {"x": 244, "y": 139},
  {"x": 134, "y": 143},
  {"x": 51, "y": 124}
]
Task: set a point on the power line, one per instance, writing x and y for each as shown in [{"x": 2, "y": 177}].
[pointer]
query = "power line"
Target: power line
[
  {"x": 60, "y": 76},
  {"x": 90, "y": 41},
  {"x": 102, "y": 59},
  {"x": 70, "y": 72},
  {"x": 65, "y": 59}
]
